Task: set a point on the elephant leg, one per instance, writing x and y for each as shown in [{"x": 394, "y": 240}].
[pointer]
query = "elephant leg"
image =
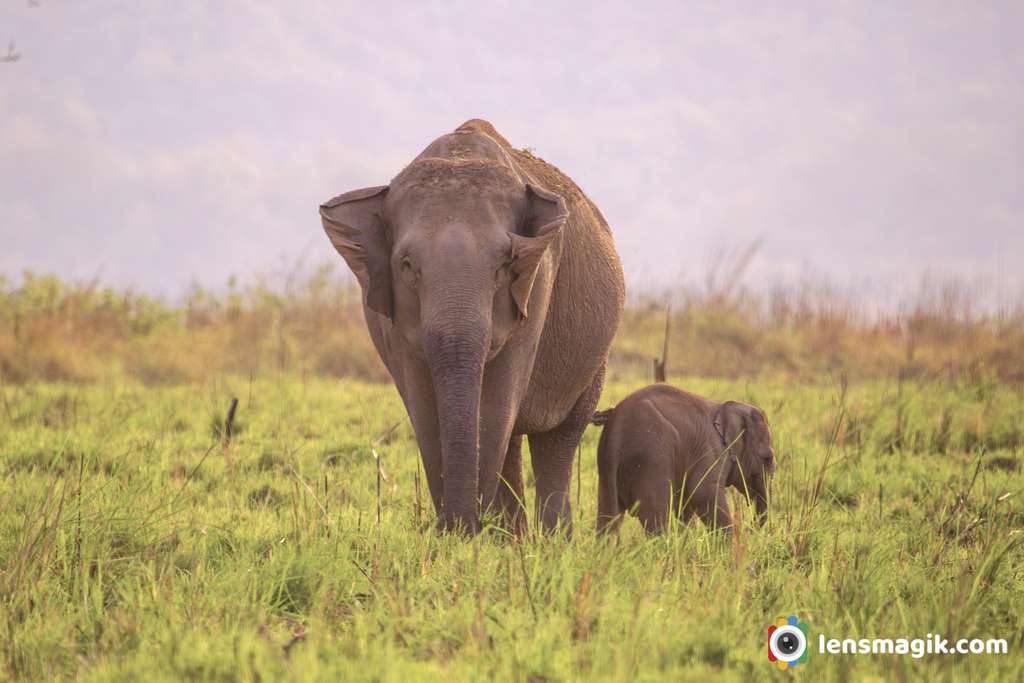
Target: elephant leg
[
  {"x": 500, "y": 449},
  {"x": 510, "y": 499},
  {"x": 418, "y": 396},
  {"x": 609, "y": 525},
  {"x": 552, "y": 454},
  {"x": 655, "y": 494},
  {"x": 684, "y": 512},
  {"x": 653, "y": 515},
  {"x": 430, "y": 453},
  {"x": 713, "y": 509}
]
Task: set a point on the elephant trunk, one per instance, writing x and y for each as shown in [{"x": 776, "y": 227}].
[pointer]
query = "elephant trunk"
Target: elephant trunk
[
  {"x": 760, "y": 491},
  {"x": 455, "y": 352}
]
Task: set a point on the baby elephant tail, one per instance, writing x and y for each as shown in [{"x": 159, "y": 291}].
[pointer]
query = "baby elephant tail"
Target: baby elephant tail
[{"x": 601, "y": 417}]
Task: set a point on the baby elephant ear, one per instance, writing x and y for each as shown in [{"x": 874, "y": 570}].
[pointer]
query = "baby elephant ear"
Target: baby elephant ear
[
  {"x": 355, "y": 225},
  {"x": 729, "y": 422},
  {"x": 546, "y": 215}
]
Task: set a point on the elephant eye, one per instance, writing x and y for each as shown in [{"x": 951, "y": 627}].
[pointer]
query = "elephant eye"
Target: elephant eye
[
  {"x": 501, "y": 272},
  {"x": 505, "y": 267},
  {"x": 409, "y": 274}
]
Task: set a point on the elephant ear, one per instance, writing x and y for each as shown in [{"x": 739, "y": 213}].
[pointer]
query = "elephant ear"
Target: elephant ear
[
  {"x": 355, "y": 225},
  {"x": 545, "y": 217},
  {"x": 730, "y": 423}
]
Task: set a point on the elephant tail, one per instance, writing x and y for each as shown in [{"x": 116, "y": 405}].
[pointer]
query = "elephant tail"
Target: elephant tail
[
  {"x": 601, "y": 417},
  {"x": 609, "y": 511}
]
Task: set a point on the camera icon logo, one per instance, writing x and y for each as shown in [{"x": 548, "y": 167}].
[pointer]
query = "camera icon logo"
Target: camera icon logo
[{"x": 787, "y": 642}]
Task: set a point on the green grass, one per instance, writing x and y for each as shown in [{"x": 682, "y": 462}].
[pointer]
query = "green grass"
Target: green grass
[{"x": 134, "y": 546}]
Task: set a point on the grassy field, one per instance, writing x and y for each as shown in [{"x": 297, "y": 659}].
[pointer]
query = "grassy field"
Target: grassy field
[{"x": 135, "y": 545}]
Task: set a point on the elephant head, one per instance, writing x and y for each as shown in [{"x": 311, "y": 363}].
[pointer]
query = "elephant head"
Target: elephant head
[
  {"x": 751, "y": 458},
  {"x": 449, "y": 253}
]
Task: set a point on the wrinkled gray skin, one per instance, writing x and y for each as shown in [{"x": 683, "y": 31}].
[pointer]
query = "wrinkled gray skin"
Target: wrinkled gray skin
[
  {"x": 492, "y": 290},
  {"x": 664, "y": 448}
]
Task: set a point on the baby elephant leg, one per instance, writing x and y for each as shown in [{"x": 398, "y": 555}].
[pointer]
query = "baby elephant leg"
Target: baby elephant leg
[
  {"x": 653, "y": 514},
  {"x": 655, "y": 497},
  {"x": 713, "y": 509}
]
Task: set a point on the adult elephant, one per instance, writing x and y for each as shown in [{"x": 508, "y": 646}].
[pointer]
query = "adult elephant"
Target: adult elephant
[{"x": 492, "y": 290}]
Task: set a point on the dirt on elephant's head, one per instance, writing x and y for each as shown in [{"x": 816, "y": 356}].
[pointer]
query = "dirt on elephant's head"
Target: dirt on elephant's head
[
  {"x": 434, "y": 173},
  {"x": 545, "y": 174}
]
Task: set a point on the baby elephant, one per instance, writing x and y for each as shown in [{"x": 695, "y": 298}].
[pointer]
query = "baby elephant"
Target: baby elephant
[{"x": 663, "y": 447}]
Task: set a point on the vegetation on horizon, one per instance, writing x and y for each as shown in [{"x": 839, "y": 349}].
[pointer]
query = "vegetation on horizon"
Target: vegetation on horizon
[{"x": 311, "y": 322}]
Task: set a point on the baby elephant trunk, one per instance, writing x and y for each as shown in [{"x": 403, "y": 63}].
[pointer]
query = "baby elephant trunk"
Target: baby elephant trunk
[
  {"x": 760, "y": 492},
  {"x": 754, "y": 486}
]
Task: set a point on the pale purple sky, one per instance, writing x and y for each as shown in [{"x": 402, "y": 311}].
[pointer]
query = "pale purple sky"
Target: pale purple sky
[{"x": 157, "y": 143}]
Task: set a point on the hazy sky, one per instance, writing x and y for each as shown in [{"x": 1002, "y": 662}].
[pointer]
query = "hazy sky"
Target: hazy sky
[{"x": 156, "y": 143}]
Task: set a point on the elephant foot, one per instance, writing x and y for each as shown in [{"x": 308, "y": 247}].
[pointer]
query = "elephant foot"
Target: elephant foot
[{"x": 511, "y": 499}]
